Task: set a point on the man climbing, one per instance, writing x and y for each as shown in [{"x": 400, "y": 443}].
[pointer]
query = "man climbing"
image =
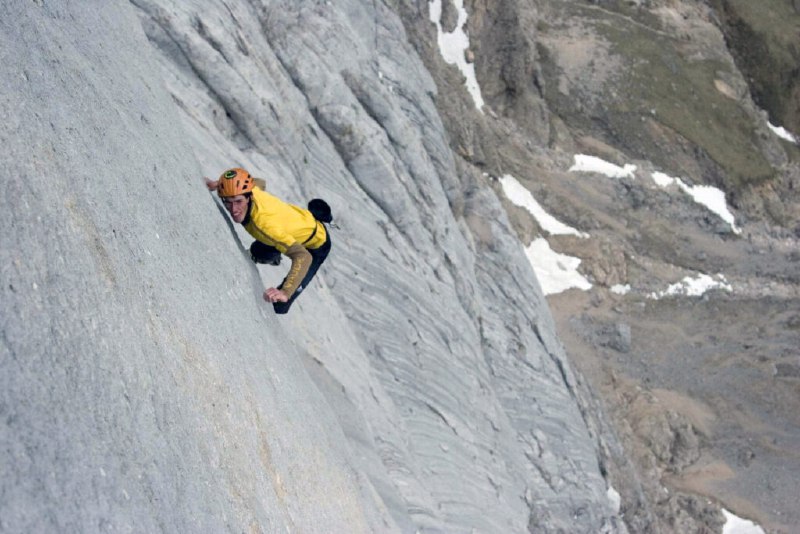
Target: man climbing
[{"x": 279, "y": 228}]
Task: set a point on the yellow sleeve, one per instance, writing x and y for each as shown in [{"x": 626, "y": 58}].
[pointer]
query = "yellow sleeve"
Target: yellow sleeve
[{"x": 301, "y": 261}]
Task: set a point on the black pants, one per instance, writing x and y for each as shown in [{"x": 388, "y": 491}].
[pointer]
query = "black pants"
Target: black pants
[{"x": 318, "y": 255}]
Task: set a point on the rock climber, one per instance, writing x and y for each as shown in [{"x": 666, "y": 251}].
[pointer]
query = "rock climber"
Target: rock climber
[{"x": 279, "y": 228}]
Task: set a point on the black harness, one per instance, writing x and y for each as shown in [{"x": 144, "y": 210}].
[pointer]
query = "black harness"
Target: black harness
[{"x": 316, "y": 225}]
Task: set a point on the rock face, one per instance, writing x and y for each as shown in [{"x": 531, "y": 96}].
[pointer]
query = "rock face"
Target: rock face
[
  {"x": 419, "y": 385},
  {"x": 672, "y": 87},
  {"x": 144, "y": 388},
  {"x": 675, "y": 89},
  {"x": 764, "y": 41}
]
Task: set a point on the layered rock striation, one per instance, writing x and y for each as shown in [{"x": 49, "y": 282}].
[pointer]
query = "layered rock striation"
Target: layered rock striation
[{"x": 419, "y": 385}]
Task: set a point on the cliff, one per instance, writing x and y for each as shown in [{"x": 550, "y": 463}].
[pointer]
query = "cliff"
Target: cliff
[
  {"x": 419, "y": 385},
  {"x": 562, "y": 292}
]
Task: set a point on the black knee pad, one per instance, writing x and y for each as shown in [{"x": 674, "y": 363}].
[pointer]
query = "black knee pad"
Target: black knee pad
[{"x": 261, "y": 253}]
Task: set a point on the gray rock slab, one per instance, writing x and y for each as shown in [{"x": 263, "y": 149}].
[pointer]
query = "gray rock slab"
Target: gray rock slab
[{"x": 418, "y": 385}]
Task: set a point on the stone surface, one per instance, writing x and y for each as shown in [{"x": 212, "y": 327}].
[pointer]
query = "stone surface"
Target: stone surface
[
  {"x": 658, "y": 84},
  {"x": 764, "y": 41},
  {"x": 146, "y": 386},
  {"x": 422, "y": 379}
]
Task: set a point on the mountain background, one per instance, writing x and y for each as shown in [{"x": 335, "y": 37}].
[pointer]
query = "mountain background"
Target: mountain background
[{"x": 425, "y": 382}]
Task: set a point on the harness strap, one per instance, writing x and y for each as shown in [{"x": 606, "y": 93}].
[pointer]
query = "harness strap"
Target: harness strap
[{"x": 316, "y": 225}]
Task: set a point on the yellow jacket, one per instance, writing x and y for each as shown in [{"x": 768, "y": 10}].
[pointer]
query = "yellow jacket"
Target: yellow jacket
[{"x": 289, "y": 229}]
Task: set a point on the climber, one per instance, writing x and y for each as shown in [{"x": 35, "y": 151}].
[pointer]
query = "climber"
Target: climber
[{"x": 279, "y": 228}]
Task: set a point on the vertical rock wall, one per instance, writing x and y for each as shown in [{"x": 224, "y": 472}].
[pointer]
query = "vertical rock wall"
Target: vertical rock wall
[{"x": 417, "y": 385}]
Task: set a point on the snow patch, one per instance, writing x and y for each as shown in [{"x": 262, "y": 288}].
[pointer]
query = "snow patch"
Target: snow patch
[
  {"x": 663, "y": 180},
  {"x": 614, "y": 498},
  {"x": 783, "y": 133},
  {"x": 714, "y": 200},
  {"x": 453, "y": 46},
  {"x": 737, "y": 525},
  {"x": 584, "y": 163},
  {"x": 693, "y": 287},
  {"x": 620, "y": 289},
  {"x": 556, "y": 272},
  {"x": 523, "y": 198},
  {"x": 710, "y": 197}
]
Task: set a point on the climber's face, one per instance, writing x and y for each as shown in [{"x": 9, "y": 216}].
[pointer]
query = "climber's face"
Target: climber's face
[{"x": 236, "y": 206}]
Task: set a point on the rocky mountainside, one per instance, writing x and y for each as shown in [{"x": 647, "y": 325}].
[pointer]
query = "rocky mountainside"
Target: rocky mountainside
[
  {"x": 684, "y": 98},
  {"x": 424, "y": 382}
]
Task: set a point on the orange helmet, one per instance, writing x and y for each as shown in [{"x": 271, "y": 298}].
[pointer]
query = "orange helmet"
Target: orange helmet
[{"x": 234, "y": 182}]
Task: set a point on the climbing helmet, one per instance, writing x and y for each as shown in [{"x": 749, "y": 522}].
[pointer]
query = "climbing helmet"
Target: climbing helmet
[{"x": 236, "y": 181}]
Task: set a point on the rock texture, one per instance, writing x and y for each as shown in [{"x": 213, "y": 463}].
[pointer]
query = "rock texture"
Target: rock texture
[
  {"x": 670, "y": 86},
  {"x": 763, "y": 40},
  {"x": 663, "y": 85},
  {"x": 419, "y": 385},
  {"x": 143, "y": 386}
]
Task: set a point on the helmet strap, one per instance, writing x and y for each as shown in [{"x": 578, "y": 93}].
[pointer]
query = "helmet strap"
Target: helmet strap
[{"x": 249, "y": 197}]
